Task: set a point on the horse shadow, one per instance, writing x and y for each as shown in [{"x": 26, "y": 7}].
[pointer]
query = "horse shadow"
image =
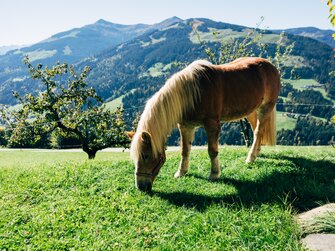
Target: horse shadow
[{"x": 309, "y": 184}]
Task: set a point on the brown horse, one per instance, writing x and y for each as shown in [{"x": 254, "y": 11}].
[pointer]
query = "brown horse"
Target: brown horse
[{"x": 203, "y": 94}]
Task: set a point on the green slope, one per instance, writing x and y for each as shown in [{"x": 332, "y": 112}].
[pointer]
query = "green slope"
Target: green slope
[{"x": 60, "y": 201}]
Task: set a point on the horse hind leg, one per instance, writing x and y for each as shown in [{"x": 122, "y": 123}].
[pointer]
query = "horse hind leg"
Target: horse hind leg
[
  {"x": 186, "y": 138},
  {"x": 212, "y": 130},
  {"x": 259, "y": 121},
  {"x": 256, "y": 145}
]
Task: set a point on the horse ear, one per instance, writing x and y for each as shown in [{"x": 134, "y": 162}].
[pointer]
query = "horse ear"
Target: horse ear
[
  {"x": 130, "y": 134},
  {"x": 146, "y": 137}
]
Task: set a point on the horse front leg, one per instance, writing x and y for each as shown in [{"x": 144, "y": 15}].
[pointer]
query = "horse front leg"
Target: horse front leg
[
  {"x": 212, "y": 128},
  {"x": 186, "y": 138}
]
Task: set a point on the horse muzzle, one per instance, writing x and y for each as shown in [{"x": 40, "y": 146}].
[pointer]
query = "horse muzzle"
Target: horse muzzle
[
  {"x": 144, "y": 180},
  {"x": 144, "y": 185}
]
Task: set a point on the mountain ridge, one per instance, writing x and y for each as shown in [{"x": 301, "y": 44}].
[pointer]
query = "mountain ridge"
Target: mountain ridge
[
  {"x": 163, "y": 42},
  {"x": 105, "y": 34},
  {"x": 321, "y": 35},
  {"x": 146, "y": 61}
]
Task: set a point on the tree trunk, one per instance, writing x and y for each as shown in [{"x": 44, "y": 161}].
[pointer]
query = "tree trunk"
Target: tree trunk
[
  {"x": 90, "y": 152},
  {"x": 245, "y": 130}
]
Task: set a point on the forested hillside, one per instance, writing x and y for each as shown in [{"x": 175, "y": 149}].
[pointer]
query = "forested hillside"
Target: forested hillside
[
  {"x": 158, "y": 54},
  {"x": 324, "y": 36},
  {"x": 69, "y": 46},
  {"x": 138, "y": 59},
  {"x": 143, "y": 65}
]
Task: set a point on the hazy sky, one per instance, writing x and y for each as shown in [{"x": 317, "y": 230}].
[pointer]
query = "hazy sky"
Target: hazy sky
[{"x": 29, "y": 21}]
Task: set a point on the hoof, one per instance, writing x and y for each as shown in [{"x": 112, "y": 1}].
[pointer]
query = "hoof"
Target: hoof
[
  {"x": 179, "y": 174},
  {"x": 250, "y": 159},
  {"x": 214, "y": 176}
]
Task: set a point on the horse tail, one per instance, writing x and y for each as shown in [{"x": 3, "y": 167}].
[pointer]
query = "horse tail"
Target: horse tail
[{"x": 269, "y": 135}]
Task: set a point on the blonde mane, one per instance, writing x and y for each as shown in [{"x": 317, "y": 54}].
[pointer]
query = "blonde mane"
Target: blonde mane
[{"x": 167, "y": 107}]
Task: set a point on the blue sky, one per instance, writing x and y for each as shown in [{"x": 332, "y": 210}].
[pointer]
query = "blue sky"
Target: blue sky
[{"x": 29, "y": 21}]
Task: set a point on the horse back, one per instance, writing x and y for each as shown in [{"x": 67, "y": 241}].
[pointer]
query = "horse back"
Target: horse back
[{"x": 235, "y": 90}]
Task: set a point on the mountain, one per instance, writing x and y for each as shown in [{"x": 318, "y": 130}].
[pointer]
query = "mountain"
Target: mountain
[
  {"x": 76, "y": 44},
  {"x": 139, "y": 57},
  {"x": 69, "y": 46},
  {"x": 7, "y": 48},
  {"x": 150, "y": 58},
  {"x": 135, "y": 70},
  {"x": 324, "y": 36},
  {"x": 130, "y": 62}
]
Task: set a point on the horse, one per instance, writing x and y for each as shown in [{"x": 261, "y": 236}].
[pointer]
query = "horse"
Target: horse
[{"x": 204, "y": 94}]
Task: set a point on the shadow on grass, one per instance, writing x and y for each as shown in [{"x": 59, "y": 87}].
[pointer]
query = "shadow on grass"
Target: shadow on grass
[{"x": 309, "y": 184}]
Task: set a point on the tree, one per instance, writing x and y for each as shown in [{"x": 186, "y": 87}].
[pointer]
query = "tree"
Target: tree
[
  {"x": 3, "y": 140},
  {"x": 227, "y": 50},
  {"x": 69, "y": 105},
  {"x": 332, "y": 21},
  {"x": 331, "y": 13}
]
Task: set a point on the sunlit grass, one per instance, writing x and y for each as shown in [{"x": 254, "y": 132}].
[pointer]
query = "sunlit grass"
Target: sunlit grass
[
  {"x": 285, "y": 122},
  {"x": 303, "y": 84},
  {"x": 59, "y": 200}
]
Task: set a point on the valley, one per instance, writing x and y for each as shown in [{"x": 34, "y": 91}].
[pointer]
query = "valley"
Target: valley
[{"x": 129, "y": 63}]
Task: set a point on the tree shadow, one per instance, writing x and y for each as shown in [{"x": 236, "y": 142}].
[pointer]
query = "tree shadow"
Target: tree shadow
[{"x": 308, "y": 184}]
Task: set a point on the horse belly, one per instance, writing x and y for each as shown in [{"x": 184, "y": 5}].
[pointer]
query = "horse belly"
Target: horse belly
[
  {"x": 220, "y": 109},
  {"x": 235, "y": 110},
  {"x": 232, "y": 105}
]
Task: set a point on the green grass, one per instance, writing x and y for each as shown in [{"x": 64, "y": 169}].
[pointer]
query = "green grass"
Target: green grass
[
  {"x": 40, "y": 54},
  {"x": 295, "y": 61},
  {"x": 60, "y": 201},
  {"x": 117, "y": 102},
  {"x": 157, "y": 70},
  {"x": 221, "y": 35},
  {"x": 228, "y": 35},
  {"x": 15, "y": 107},
  {"x": 284, "y": 122},
  {"x": 301, "y": 84},
  {"x": 287, "y": 123},
  {"x": 324, "y": 223},
  {"x": 153, "y": 41}
]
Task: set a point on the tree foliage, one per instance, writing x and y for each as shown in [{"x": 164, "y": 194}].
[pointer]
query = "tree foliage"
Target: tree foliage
[
  {"x": 66, "y": 104},
  {"x": 331, "y": 12},
  {"x": 308, "y": 131},
  {"x": 332, "y": 21},
  {"x": 251, "y": 45}
]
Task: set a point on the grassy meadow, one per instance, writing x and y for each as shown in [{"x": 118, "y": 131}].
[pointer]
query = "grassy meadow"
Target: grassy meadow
[{"x": 51, "y": 200}]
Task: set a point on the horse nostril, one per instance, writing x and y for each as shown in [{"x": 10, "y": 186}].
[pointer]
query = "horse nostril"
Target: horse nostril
[{"x": 144, "y": 187}]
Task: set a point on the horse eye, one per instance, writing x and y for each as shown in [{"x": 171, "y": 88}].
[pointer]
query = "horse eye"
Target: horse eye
[{"x": 145, "y": 156}]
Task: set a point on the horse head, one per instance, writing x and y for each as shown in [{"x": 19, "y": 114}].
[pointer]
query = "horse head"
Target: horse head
[{"x": 147, "y": 164}]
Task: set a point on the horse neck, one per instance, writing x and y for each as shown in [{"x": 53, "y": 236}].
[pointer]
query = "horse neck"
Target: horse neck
[
  {"x": 168, "y": 106},
  {"x": 160, "y": 116}
]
